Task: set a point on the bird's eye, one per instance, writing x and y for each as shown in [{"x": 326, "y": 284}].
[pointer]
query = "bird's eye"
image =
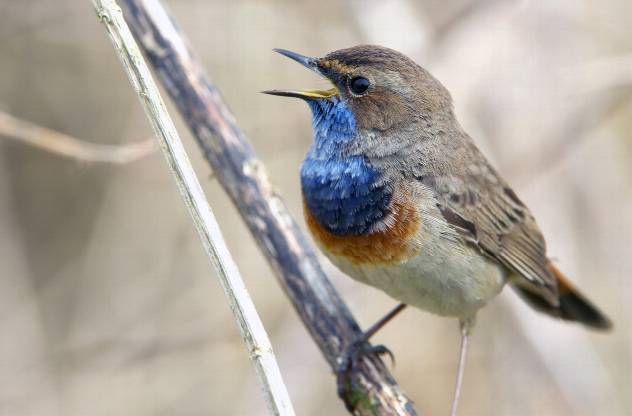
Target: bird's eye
[{"x": 359, "y": 85}]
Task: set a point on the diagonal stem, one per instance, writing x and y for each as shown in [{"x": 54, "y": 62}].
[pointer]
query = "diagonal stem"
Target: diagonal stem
[
  {"x": 248, "y": 321},
  {"x": 242, "y": 175}
]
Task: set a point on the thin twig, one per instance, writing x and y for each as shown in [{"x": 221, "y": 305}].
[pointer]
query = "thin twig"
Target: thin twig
[
  {"x": 371, "y": 390},
  {"x": 250, "y": 325},
  {"x": 65, "y": 145}
]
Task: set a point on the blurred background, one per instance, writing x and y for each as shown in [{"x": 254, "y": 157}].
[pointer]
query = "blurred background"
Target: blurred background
[{"x": 108, "y": 305}]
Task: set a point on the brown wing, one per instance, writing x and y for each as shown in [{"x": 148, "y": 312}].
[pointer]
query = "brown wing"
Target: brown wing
[{"x": 488, "y": 214}]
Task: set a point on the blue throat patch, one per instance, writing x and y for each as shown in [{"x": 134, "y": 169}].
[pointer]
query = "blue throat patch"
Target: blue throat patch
[{"x": 343, "y": 193}]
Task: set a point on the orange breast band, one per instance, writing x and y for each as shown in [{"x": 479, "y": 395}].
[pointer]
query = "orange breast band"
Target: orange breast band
[{"x": 392, "y": 243}]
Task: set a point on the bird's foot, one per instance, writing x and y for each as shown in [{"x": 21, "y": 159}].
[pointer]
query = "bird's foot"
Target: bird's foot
[{"x": 350, "y": 364}]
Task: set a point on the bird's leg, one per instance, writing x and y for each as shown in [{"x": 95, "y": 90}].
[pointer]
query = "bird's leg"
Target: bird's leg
[
  {"x": 380, "y": 323},
  {"x": 360, "y": 347},
  {"x": 466, "y": 327}
]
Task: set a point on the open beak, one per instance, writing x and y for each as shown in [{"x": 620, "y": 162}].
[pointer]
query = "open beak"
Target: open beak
[{"x": 311, "y": 63}]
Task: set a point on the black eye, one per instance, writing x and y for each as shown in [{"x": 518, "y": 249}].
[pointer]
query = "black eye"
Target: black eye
[{"x": 359, "y": 85}]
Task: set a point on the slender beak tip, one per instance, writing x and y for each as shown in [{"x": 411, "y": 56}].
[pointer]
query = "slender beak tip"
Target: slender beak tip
[
  {"x": 284, "y": 52},
  {"x": 301, "y": 59},
  {"x": 304, "y": 94},
  {"x": 280, "y": 93},
  {"x": 275, "y": 92}
]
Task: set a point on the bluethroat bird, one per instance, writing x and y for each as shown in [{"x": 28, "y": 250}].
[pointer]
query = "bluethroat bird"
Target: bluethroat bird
[{"x": 398, "y": 196}]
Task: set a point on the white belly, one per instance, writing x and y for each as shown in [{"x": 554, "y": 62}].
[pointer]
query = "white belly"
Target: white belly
[{"x": 442, "y": 280}]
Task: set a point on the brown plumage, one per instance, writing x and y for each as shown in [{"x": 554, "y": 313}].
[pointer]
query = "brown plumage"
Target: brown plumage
[
  {"x": 404, "y": 128},
  {"x": 410, "y": 107},
  {"x": 399, "y": 197}
]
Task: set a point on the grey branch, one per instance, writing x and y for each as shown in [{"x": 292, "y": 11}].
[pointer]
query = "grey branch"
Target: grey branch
[
  {"x": 371, "y": 390},
  {"x": 250, "y": 325},
  {"x": 64, "y": 145}
]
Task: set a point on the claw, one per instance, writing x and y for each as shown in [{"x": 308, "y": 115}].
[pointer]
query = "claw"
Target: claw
[
  {"x": 345, "y": 380},
  {"x": 359, "y": 349},
  {"x": 380, "y": 350}
]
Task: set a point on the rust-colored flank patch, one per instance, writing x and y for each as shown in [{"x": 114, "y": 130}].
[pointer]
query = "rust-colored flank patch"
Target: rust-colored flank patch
[
  {"x": 563, "y": 284},
  {"x": 389, "y": 245}
]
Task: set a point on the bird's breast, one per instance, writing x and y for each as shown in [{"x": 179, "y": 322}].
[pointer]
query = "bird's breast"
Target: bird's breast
[
  {"x": 352, "y": 207},
  {"x": 391, "y": 240},
  {"x": 345, "y": 195}
]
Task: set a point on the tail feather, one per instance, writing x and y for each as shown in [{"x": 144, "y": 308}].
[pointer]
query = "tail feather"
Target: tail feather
[{"x": 573, "y": 306}]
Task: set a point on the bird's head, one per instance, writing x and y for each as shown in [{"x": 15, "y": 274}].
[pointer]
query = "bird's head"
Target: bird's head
[{"x": 381, "y": 87}]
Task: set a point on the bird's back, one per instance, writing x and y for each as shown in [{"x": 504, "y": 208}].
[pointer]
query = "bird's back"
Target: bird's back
[{"x": 488, "y": 215}]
